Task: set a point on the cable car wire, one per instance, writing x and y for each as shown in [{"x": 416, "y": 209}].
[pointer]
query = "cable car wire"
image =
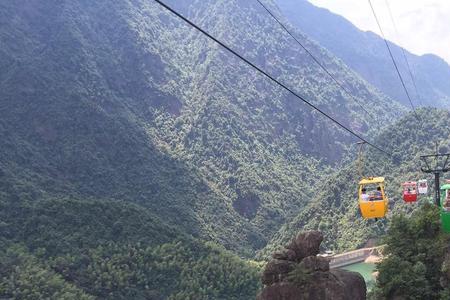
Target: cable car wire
[
  {"x": 173, "y": 11},
  {"x": 316, "y": 60},
  {"x": 403, "y": 52},
  {"x": 393, "y": 60}
]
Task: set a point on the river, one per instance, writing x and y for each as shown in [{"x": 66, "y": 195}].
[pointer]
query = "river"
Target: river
[{"x": 366, "y": 270}]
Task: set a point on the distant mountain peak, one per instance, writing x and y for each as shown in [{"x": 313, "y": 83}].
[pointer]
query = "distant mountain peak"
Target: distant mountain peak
[{"x": 366, "y": 53}]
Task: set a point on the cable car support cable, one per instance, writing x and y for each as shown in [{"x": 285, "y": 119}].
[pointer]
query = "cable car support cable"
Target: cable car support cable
[
  {"x": 316, "y": 60},
  {"x": 393, "y": 60},
  {"x": 413, "y": 80},
  {"x": 173, "y": 11}
]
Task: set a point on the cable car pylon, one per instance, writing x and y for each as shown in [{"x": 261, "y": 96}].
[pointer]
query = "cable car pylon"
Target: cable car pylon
[{"x": 437, "y": 170}]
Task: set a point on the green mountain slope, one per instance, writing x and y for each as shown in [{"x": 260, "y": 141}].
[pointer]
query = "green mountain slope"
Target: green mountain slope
[
  {"x": 334, "y": 209},
  {"x": 135, "y": 153},
  {"x": 366, "y": 53},
  {"x": 122, "y": 101},
  {"x": 70, "y": 249}
]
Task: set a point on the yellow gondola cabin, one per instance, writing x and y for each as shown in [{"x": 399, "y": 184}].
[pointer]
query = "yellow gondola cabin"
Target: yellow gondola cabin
[{"x": 373, "y": 202}]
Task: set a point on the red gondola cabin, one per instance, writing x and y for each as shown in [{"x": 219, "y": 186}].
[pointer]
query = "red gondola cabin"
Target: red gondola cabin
[{"x": 410, "y": 191}]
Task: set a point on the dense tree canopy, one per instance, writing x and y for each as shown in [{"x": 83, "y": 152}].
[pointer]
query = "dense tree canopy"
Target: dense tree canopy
[
  {"x": 139, "y": 160},
  {"x": 415, "y": 252},
  {"x": 69, "y": 249},
  {"x": 334, "y": 208}
]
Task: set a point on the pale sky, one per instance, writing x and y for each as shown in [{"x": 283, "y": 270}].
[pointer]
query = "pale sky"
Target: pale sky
[{"x": 423, "y": 25}]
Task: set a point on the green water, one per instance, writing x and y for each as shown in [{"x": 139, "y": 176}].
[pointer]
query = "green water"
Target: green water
[{"x": 366, "y": 270}]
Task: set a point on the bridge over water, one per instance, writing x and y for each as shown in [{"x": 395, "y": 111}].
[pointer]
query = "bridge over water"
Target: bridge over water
[{"x": 352, "y": 257}]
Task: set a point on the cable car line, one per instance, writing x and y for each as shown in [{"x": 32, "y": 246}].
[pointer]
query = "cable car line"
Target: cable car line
[
  {"x": 173, "y": 11},
  {"x": 317, "y": 61},
  {"x": 393, "y": 60},
  {"x": 372, "y": 198},
  {"x": 413, "y": 80}
]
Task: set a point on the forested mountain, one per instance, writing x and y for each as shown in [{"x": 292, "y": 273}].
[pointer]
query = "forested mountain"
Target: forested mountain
[
  {"x": 123, "y": 101},
  {"x": 334, "y": 209},
  {"x": 138, "y": 159},
  {"x": 91, "y": 249},
  {"x": 366, "y": 53}
]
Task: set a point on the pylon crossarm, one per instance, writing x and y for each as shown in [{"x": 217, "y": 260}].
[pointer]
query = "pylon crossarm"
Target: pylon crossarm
[{"x": 437, "y": 171}]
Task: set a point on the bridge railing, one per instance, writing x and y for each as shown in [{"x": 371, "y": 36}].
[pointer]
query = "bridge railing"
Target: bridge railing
[{"x": 347, "y": 258}]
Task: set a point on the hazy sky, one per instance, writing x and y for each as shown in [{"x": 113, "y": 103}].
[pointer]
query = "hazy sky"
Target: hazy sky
[{"x": 423, "y": 25}]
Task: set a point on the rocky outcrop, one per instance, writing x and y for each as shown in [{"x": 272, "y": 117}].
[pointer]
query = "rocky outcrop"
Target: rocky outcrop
[
  {"x": 276, "y": 271},
  {"x": 297, "y": 273},
  {"x": 306, "y": 244}
]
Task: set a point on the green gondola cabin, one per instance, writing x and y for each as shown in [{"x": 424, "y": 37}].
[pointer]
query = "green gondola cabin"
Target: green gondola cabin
[{"x": 445, "y": 207}]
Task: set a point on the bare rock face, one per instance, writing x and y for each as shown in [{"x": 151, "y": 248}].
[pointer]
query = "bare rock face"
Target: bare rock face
[
  {"x": 285, "y": 254},
  {"x": 315, "y": 263},
  {"x": 296, "y": 273},
  {"x": 277, "y": 270},
  {"x": 350, "y": 285},
  {"x": 333, "y": 285},
  {"x": 306, "y": 244}
]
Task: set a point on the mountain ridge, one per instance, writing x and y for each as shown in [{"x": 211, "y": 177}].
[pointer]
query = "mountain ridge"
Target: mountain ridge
[{"x": 366, "y": 53}]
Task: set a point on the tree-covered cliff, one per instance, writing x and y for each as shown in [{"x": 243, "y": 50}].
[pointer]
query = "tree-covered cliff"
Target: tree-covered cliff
[{"x": 138, "y": 159}]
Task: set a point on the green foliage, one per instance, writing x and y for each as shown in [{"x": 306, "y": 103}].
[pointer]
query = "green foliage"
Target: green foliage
[
  {"x": 22, "y": 276},
  {"x": 414, "y": 255},
  {"x": 124, "y": 102},
  {"x": 334, "y": 209},
  {"x": 57, "y": 226},
  {"x": 178, "y": 270},
  {"x": 127, "y": 140},
  {"x": 69, "y": 249}
]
